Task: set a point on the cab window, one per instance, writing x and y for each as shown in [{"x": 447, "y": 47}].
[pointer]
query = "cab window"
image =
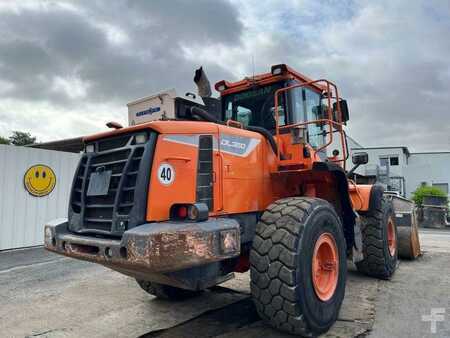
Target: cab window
[
  {"x": 243, "y": 114},
  {"x": 255, "y": 107},
  {"x": 306, "y": 106}
]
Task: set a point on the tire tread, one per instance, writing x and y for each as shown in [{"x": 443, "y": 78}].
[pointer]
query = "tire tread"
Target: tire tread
[
  {"x": 285, "y": 219},
  {"x": 375, "y": 262}
]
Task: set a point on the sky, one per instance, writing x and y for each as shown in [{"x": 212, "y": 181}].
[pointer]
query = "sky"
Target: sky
[{"x": 68, "y": 67}]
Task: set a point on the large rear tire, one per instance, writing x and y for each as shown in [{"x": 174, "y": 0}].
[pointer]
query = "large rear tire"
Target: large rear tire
[
  {"x": 166, "y": 291},
  {"x": 298, "y": 265},
  {"x": 380, "y": 241}
]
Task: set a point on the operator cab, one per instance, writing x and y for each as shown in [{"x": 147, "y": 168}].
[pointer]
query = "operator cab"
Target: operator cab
[{"x": 301, "y": 102}]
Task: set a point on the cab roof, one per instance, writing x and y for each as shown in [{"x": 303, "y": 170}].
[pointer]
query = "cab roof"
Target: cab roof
[{"x": 278, "y": 73}]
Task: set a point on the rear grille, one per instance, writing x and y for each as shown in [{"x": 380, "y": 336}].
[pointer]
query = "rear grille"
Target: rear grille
[{"x": 124, "y": 204}]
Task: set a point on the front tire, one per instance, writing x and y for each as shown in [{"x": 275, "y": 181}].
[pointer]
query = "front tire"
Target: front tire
[
  {"x": 166, "y": 291},
  {"x": 298, "y": 265},
  {"x": 380, "y": 240}
]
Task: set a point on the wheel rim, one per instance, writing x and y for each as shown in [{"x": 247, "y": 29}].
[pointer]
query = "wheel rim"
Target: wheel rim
[
  {"x": 325, "y": 266},
  {"x": 392, "y": 240}
]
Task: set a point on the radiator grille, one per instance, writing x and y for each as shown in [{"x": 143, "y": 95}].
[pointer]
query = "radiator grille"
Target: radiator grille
[{"x": 111, "y": 213}]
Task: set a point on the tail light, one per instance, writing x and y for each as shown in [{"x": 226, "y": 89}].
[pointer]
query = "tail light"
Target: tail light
[
  {"x": 182, "y": 212},
  {"x": 196, "y": 212}
]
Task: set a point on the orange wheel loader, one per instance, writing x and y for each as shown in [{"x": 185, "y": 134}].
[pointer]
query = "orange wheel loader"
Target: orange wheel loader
[{"x": 192, "y": 192}]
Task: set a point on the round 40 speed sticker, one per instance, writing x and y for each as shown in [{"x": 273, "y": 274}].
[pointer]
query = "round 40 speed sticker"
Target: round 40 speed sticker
[{"x": 166, "y": 173}]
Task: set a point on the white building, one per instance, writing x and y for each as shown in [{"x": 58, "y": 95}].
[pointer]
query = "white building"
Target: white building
[{"x": 404, "y": 171}]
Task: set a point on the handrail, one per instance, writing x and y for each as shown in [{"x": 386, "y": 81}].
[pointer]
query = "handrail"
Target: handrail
[{"x": 328, "y": 121}]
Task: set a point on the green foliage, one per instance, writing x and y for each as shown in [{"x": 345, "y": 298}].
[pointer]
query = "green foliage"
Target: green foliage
[
  {"x": 4, "y": 140},
  {"x": 426, "y": 190},
  {"x": 20, "y": 138}
]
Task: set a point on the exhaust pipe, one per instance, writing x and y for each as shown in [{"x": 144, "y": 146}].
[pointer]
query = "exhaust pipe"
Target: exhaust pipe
[
  {"x": 212, "y": 104},
  {"x": 202, "y": 82}
]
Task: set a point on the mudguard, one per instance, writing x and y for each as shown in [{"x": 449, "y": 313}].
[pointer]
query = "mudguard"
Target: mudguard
[{"x": 348, "y": 215}]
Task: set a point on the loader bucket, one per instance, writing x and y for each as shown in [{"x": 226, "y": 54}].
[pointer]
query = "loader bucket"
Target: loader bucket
[{"x": 407, "y": 229}]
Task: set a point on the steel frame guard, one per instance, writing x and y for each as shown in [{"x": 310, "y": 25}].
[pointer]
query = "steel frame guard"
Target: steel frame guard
[{"x": 329, "y": 121}]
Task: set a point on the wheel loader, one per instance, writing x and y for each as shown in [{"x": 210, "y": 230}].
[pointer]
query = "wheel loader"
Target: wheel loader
[{"x": 199, "y": 188}]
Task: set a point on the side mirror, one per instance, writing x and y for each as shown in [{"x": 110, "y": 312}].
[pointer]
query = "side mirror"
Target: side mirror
[
  {"x": 360, "y": 158},
  {"x": 344, "y": 110}
]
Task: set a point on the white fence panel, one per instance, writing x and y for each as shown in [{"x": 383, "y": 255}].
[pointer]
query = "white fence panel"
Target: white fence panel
[{"x": 22, "y": 215}]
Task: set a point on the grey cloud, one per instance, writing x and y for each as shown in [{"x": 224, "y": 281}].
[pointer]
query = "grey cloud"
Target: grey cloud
[
  {"x": 192, "y": 20},
  {"x": 42, "y": 44},
  {"x": 389, "y": 59}
]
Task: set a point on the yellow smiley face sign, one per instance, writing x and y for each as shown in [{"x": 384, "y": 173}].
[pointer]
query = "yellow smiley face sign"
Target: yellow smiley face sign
[{"x": 39, "y": 180}]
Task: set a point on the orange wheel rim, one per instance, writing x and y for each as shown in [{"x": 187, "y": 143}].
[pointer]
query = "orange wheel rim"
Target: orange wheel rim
[
  {"x": 392, "y": 240},
  {"x": 325, "y": 267}
]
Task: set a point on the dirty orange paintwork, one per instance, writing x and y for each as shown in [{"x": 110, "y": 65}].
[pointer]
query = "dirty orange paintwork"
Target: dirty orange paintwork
[
  {"x": 163, "y": 127},
  {"x": 247, "y": 182},
  {"x": 241, "y": 184},
  {"x": 182, "y": 189},
  {"x": 360, "y": 195}
]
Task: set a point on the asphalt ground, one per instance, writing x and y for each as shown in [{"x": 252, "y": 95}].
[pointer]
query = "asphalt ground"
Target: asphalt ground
[
  {"x": 45, "y": 295},
  {"x": 404, "y": 304}
]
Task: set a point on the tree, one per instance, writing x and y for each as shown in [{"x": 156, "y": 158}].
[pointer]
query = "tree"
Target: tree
[
  {"x": 426, "y": 190},
  {"x": 4, "y": 140},
  {"x": 20, "y": 138}
]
